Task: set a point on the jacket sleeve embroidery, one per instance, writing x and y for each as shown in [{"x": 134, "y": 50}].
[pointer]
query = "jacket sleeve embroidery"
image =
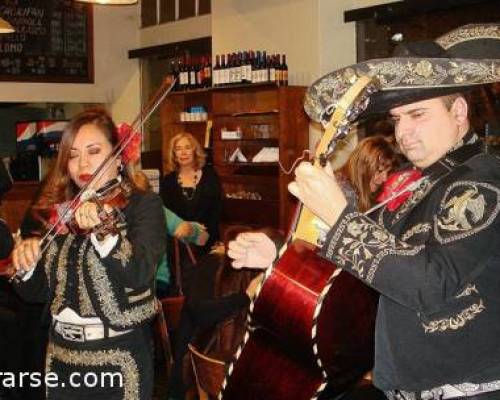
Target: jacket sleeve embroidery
[{"x": 364, "y": 244}]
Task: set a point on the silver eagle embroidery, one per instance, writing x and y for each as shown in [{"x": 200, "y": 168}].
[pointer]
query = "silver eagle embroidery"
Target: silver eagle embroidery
[{"x": 459, "y": 209}]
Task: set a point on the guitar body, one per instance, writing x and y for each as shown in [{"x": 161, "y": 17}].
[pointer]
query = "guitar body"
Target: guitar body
[{"x": 309, "y": 321}]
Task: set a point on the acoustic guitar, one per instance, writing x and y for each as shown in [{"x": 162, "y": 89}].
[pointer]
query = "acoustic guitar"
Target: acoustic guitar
[{"x": 310, "y": 323}]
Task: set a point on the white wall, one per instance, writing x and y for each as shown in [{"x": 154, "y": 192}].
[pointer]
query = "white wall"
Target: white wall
[
  {"x": 337, "y": 39},
  {"x": 311, "y": 32},
  {"x": 178, "y": 31},
  {"x": 278, "y": 26},
  {"x": 116, "y": 77}
]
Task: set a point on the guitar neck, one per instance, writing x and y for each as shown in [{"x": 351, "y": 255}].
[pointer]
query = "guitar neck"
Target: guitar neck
[{"x": 307, "y": 226}]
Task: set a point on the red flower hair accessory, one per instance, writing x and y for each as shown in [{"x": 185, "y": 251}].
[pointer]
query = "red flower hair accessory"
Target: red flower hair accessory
[
  {"x": 396, "y": 182},
  {"x": 132, "y": 151}
]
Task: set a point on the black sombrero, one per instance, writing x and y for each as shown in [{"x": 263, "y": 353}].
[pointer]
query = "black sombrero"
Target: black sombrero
[{"x": 457, "y": 61}]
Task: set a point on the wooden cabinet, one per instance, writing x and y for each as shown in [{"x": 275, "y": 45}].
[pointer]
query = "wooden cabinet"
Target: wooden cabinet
[
  {"x": 16, "y": 202},
  {"x": 255, "y": 193}
]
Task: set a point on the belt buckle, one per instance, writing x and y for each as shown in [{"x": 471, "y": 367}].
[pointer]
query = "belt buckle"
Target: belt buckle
[{"x": 73, "y": 333}]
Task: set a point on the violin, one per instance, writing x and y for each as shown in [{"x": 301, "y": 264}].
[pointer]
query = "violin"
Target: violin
[
  {"x": 111, "y": 199},
  {"x": 110, "y": 220}
]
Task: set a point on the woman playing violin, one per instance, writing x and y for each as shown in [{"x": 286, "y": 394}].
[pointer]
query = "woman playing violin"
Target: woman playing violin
[{"x": 100, "y": 286}]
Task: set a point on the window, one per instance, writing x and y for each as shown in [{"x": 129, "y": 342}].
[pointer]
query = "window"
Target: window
[{"x": 154, "y": 12}]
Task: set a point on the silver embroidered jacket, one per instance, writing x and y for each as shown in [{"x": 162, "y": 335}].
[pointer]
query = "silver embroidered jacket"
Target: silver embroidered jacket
[
  {"x": 118, "y": 288},
  {"x": 436, "y": 263}
]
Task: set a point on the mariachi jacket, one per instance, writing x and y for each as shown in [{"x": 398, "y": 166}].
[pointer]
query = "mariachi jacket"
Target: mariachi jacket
[
  {"x": 118, "y": 288},
  {"x": 436, "y": 263}
]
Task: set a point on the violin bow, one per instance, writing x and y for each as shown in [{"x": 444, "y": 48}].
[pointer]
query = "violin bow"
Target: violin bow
[{"x": 85, "y": 193}]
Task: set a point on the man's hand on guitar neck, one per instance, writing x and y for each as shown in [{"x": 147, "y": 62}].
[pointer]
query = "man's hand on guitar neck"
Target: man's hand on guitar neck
[
  {"x": 319, "y": 191},
  {"x": 252, "y": 250}
]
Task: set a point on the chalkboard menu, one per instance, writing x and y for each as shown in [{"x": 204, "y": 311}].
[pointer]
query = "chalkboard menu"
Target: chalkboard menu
[{"x": 52, "y": 42}]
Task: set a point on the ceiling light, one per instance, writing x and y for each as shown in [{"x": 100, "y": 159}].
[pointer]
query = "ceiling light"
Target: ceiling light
[{"x": 5, "y": 27}]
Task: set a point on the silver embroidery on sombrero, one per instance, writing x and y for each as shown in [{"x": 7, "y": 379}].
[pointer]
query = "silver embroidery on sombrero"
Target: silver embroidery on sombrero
[
  {"x": 132, "y": 315},
  {"x": 398, "y": 74},
  {"x": 467, "y": 33},
  {"x": 86, "y": 358},
  {"x": 61, "y": 276}
]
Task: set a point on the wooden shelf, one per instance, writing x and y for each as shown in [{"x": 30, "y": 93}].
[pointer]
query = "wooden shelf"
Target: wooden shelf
[
  {"x": 193, "y": 91},
  {"x": 252, "y": 164},
  {"x": 190, "y": 122},
  {"x": 237, "y": 86},
  {"x": 260, "y": 141},
  {"x": 243, "y": 86},
  {"x": 254, "y": 109},
  {"x": 248, "y": 113}
]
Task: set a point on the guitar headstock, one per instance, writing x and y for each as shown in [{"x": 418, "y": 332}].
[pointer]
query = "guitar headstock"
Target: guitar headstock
[{"x": 340, "y": 116}]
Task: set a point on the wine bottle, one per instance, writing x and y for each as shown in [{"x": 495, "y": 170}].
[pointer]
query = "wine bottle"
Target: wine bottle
[
  {"x": 208, "y": 72},
  {"x": 272, "y": 68},
  {"x": 284, "y": 69},
  {"x": 216, "y": 72}
]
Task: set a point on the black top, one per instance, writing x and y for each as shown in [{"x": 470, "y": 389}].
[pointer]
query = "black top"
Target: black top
[
  {"x": 118, "y": 288},
  {"x": 435, "y": 262},
  {"x": 203, "y": 206},
  {"x": 5, "y": 181},
  {"x": 6, "y": 241}
]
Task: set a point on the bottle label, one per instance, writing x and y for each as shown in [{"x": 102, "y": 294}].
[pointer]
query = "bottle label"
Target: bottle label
[
  {"x": 279, "y": 75},
  {"x": 272, "y": 74},
  {"x": 262, "y": 75},
  {"x": 248, "y": 73}
]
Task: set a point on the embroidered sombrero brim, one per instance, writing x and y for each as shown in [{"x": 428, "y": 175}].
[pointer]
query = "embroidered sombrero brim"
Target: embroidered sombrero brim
[{"x": 404, "y": 80}]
